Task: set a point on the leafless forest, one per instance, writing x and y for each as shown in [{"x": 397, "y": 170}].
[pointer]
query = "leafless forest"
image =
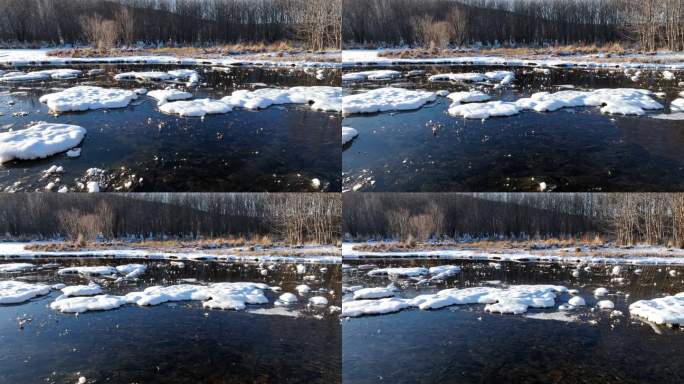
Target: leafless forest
[
  {"x": 294, "y": 218},
  {"x": 645, "y": 24},
  {"x": 624, "y": 218},
  {"x": 315, "y": 23}
]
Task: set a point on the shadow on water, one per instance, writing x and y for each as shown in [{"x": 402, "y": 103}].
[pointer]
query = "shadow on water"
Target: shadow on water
[
  {"x": 463, "y": 344},
  {"x": 177, "y": 342},
  {"x": 281, "y": 148},
  {"x": 572, "y": 149}
]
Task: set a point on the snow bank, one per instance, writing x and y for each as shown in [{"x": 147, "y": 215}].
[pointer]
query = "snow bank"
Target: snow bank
[
  {"x": 166, "y": 95},
  {"x": 663, "y": 310},
  {"x": 13, "y": 292},
  {"x": 386, "y": 99},
  {"x": 85, "y": 97},
  {"x": 39, "y": 141},
  {"x": 15, "y": 267},
  {"x": 348, "y": 134},
  {"x": 320, "y": 98},
  {"x": 195, "y": 108},
  {"x": 383, "y": 74}
]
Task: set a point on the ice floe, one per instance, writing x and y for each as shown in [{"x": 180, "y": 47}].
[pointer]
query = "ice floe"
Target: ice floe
[
  {"x": 82, "y": 290},
  {"x": 577, "y": 301},
  {"x": 82, "y": 304},
  {"x": 484, "y": 110},
  {"x": 386, "y": 99},
  {"x": 318, "y": 301},
  {"x": 15, "y": 267},
  {"x": 38, "y": 141},
  {"x": 88, "y": 271},
  {"x": 373, "y": 293},
  {"x": 40, "y": 75},
  {"x": 195, "y": 108},
  {"x": 13, "y": 292},
  {"x": 190, "y": 75},
  {"x": 662, "y": 310},
  {"x": 605, "y": 304},
  {"x": 143, "y": 76},
  {"x": 319, "y": 98},
  {"x": 514, "y": 299},
  {"x": 348, "y": 134},
  {"x": 382, "y": 74},
  {"x": 166, "y": 95},
  {"x": 86, "y": 97},
  {"x": 406, "y": 272},
  {"x": 503, "y": 77},
  {"x": 468, "y": 97},
  {"x": 287, "y": 298}
]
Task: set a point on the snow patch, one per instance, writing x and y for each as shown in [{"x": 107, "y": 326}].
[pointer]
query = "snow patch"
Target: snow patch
[
  {"x": 386, "y": 99},
  {"x": 86, "y": 97},
  {"x": 663, "y": 310},
  {"x": 348, "y": 134}
]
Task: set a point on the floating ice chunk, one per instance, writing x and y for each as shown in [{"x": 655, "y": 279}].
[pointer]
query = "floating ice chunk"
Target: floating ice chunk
[
  {"x": 143, "y": 76},
  {"x": 318, "y": 301},
  {"x": 76, "y": 152},
  {"x": 504, "y": 77},
  {"x": 625, "y": 101},
  {"x": 195, "y": 108},
  {"x": 302, "y": 289},
  {"x": 235, "y": 295},
  {"x": 320, "y": 98},
  {"x": 386, "y": 99},
  {"x": 373, "y": 293},
  {"x": 131, "y": 271},
  {"x": 348, "y": 134},
  {"x": 443, "y": 271},
  {"x": 39, "y": 141},
  {"x": 166, "y": 95},
  {"x": 577, "y": 301},
  {"x": 598, "y": 292},
  {"x": 15, "y": 267},
  {"x": 513, "y": 307},
  {"x": 663, "y": 310},
  {"x": 82, "y": 290},
  {"x": 383, "y": 74},
  {"x": 13, "y": 292},
  {"x": 40, "y": 75},
  {"x": 54, "y": 169},
  {"x": 677, "y": 105},
  {"x": 605, "y": 304},
  {"x": 82, "y": 304},
  {"x": 85, "y": 97},
  {"x": 468, "y": 97},
  {"x": 190, "y": 75},
  {"x": 301, "y": 269},
  {"x": 95, "y": 72},
  {"x": 58, "y": 286},
  {"x": 373, "y": 307},
  {"x": 484, "y": 110},
  {"x": 89, "y": 271},
  {"x": 288, "y": 298},
  {"x": 315, "y": 183},
  {"x": 403, "y": 272}
]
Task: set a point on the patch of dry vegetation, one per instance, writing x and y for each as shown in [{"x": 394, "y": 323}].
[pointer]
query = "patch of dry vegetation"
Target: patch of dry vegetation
[{"x": 279, "y": 51}]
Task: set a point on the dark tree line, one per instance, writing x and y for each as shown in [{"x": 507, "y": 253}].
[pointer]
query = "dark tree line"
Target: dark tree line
[
  {"x": 625, "y": 218},
  {"x": 316, "y": 23},
  {"x": 650, "y": 23},
  {"x": 295, "y": 218}
]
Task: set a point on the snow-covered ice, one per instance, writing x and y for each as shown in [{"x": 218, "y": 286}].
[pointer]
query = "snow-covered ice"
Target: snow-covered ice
[
  {"x": 15, "y": 267},
  {"x": 302, "y": 289},
  {"x": 195, "y": 108},
  {"x": 605, "y": 304},
  {"x": 484, "y": 110},
  {"x": 88, "y": 270},
  {"x": 624, "y": 101},
  {"x": 382, "y": 74},
  {"x": 13, "y": 292},
  {"x": 598, "y": 292},
  {"x": 86, "y": 97},
  {"x": 40, "y": 75},
  {"x": 662, "y": 310},
  {"x": 82, "y": 290},
  {"x": 373, "y": 307},
  {"x": 166, "y": 95},
  {"x": 287, "y": 298},
  {"x": 406, "y": 272},
  {"x": 319, "y": 98},
  {"x": 373, "y": 293},
  {"x": 143, "y": 76},
  {"x": 348, "y": 134},
  {"x": 318, "y": 301},
  {"x": 386, "y": 99},
  {"x": 82, "y": 304},
  {"x": 577, "y": 301},
  {"x": 468, "y": 97},
  {"x": 38, "y": 141}
]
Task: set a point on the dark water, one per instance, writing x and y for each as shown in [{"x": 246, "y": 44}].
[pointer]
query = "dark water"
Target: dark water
[
  {"x": 463, "y": 344},
  {"x": 577, "y": 149},
  {"x": 281, "y": 148},
  {"x": 177, "y": 342}
]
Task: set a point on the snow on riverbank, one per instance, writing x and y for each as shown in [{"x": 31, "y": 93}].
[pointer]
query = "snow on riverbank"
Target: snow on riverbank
[
  {"x": 515, "y": 299},
  {"x": 16, "y": 251},
  {"x": 639, "y": 255},
  {"x": 84, "y": 97},
  {"x": 359, "y": 58},
  {"x": 39, "y": 141},
  {"x": 386, "y": 99},
  {"x": 39, "y": 57},
  {"x": 663, "y": 310}
]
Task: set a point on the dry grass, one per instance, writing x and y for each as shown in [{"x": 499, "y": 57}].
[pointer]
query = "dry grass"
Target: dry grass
[
  {"x": 279, "y": 51},
  {"x": 611, "y": 52}
]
